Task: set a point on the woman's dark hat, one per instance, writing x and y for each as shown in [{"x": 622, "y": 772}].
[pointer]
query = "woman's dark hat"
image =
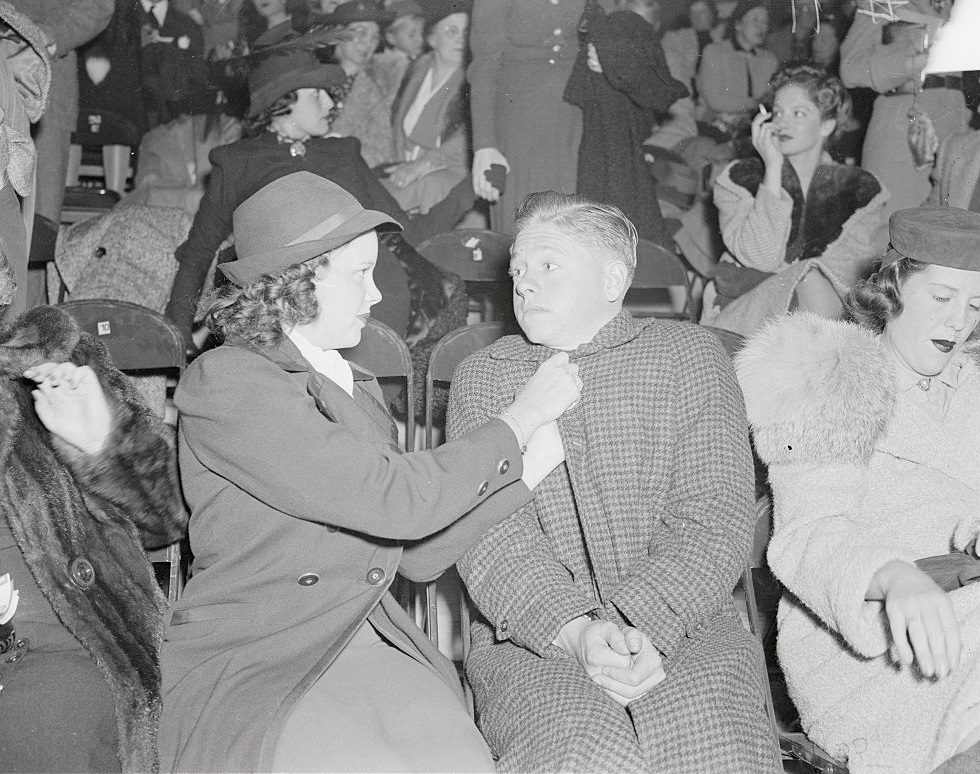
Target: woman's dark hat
[
  {"x": 293, "y": 219},
  {"x": 944, "y": 236},
  {"x": 359, "y": 11},
  {"x": 287, "y": 62},
  {"x": 437, "y": 10}
]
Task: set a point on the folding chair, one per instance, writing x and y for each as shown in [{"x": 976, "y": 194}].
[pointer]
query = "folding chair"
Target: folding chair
[
  {"x": 657, "y": 268},
  {"x": 139, "y": 340},
  {"x": 762, "y": 594},
  {"x": 385, "y": 354},
  {"x": 480, "y": 257}
]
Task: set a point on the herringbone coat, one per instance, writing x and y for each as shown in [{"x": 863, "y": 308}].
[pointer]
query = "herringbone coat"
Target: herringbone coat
[{"x": 650, "y": 521}]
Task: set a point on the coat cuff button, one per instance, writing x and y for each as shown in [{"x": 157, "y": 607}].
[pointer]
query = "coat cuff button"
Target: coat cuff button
[
  {"x": 503, "y": 467},
  {"x": 308, "y": 579},
  {"x": 375, "y": 576},
  {"x": 483, "y": 488}
]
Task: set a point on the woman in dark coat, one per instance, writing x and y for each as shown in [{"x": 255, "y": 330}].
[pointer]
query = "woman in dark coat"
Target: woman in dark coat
[
  {"x": 88, "y": 480},
  {"x": 242, "y": 168},
  {"x": 285, "y": 652}
]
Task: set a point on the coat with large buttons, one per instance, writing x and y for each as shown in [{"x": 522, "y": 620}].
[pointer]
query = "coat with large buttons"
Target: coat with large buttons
[
  {"x": 648, "y": 521},
  {"x": 303, "y": 509},
  {"x": 79, "y": 687}
]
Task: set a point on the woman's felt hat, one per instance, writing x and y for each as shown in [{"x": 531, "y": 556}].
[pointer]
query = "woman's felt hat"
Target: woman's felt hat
[
  {"x": 293, "y": 219},
  {"x": 287, "y": 61},
  {"x": 945, "y": 236},
  {"x": 359, "y": 11}
]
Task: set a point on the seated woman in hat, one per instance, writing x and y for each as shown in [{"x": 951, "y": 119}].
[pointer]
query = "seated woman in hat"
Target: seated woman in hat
[
  {"x": 289, "y": 128},
  {"x": 286, "y": 652},
  {"x": 430, "y": 117},
  {"x": 871, "y": 430},
  {"x": 361, "y": 109}
]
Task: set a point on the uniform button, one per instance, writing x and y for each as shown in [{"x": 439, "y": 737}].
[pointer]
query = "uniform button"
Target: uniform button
[
  {"x": 504, "y": 626},
  {"x": 81, "y": 572},
  {"x": 23, "y": 643},
  {"x": 14, "y": 657},
  {"x": 557, "y": 31},
  {"x": 308, "y": 579},
  {"x": 551, "y": 61},
  {"x": 375, "y": 576},
  {"x": 482, "y": 490},
  {"x": 503, "y": 467},
  {"x": 556, "y": 48}
]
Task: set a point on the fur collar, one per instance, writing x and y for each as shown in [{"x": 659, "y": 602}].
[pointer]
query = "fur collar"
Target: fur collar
[
  {"x": 835, "y": 194},
  {"x": 816, "y": 390},
  {"x": 43, "y": 334}
]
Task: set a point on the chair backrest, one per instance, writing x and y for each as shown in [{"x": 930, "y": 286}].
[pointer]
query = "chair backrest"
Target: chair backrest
[
  {"x": 476, "y": 255},
  {"x": 731, "y": 341},
  {"x": 448, "y": 353},
  {"x": 138, "y": 340},
  {"x": 385, "y": 354},
  {"x": 657, "y": 268}
]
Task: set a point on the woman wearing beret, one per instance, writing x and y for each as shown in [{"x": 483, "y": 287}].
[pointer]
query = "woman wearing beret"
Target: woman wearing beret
[
  {"x": 286, "y": 652},
  {"x": 871, "y": 430}
]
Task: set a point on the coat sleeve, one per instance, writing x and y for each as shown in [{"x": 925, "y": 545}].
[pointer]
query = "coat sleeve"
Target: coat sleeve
[
  {"x": 695, "y": 561},
  {"x": 257, "y": 427},
  {"x": 866, "y": 61},
  {"x": 488, "y": 39},
  {"x": 137, "y": 469},
  {"x": 756, "y": 229},
  {"x": 212, "y": 225},
  {"x": 512, "y": 574},
  {"x": 818, "y": 449}
]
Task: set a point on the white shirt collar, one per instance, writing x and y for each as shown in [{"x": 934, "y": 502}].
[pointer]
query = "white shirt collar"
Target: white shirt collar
[
  {"x": 158, "y": 9},
  {"x": 328, "y": 362}
]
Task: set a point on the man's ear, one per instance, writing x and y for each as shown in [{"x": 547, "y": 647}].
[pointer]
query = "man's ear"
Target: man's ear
[{"x": 616, "y": 280}]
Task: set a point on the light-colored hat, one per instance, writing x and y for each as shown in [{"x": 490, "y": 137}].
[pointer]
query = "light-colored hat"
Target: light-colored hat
[
  {"x": 293, "y": 219},
  {"x": 945, "y": 236}
]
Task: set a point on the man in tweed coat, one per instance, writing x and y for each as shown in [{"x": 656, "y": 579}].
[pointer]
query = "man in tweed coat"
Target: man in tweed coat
[{"x": 608, "y": 639}]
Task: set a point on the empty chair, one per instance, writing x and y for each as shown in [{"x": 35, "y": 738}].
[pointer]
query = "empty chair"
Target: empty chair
[{"x": 658, "y": 269}]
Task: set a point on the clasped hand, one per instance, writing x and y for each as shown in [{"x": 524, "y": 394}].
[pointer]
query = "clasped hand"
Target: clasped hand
[
  {"x": 69, "y": 401},
  {"x": 620, "y": 660}
]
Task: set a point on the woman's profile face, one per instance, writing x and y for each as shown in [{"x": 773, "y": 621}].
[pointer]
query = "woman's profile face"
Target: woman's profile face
[
  {"x": 356, "y": 52},
  {"x": 345, "y": 293},
  {"x": 753, "y": 27},
  {"x": 796, "y": 117},
  {"x": 448, "y": 38},
  {"x": 309, "y": 114},
  {"x": 940, "y": 309}
]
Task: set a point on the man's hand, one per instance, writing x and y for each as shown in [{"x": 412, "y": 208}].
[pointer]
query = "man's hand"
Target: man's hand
[
  {"x": 594, "y": 644},
  {"x": 644, "y": 673}
]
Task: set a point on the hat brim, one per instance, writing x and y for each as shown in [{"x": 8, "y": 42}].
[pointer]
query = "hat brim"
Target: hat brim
[
  {"x": 247, "y": 270},
  {"x": 381, "y": 18},
  {"x": 324, "y": 76}
]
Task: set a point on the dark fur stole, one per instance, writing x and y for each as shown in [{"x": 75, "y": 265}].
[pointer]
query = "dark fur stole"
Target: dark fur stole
[{"x": 64, "y": 508}]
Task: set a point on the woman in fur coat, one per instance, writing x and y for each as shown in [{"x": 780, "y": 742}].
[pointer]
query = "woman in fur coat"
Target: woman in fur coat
[
  {"x": 799, "y": 229},
  {"x": 872, "y": 436},
  {"x": 88, "y": 480}
]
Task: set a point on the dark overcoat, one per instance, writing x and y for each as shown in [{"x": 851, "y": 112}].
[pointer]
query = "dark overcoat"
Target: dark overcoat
[
  {"x": 303, "y": 509},
  {"x": 80, "y": 523},
  {"x": 649, "y": 521}
]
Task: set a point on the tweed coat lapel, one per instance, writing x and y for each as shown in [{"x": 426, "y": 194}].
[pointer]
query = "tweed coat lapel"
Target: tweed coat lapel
[{"x": 579, "y": 428}]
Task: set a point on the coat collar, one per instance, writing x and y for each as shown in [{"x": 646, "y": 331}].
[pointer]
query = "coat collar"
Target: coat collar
[
  {"x": 622, "y": 329},
  {"x": 287, "y": 356}
]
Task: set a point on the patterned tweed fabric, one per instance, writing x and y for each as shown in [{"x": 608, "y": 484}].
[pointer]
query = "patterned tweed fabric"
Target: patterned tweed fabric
[{"x": 650, "y": 519}]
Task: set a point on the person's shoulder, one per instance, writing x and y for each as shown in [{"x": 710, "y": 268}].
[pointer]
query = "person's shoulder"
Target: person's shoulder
[
  {"x": 682, "y": 343},
  {"x": 745, "y": 173},
  {"x": 239, "y": 151},
  {"x": 815, "y": 389},
  {"x": 480, "y": 362},
  {"x": 717, "y": 49},
  {"x": 228, "y": 367},
  {"x": 334, "y": 145},
  {"x": 858, "y": 184}
]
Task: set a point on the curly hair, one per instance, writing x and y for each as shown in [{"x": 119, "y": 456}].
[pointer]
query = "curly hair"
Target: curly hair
[
  {"x": 825, "y": 91},
  {"x": 260, "y": 311},
  {"x": 281, "y": 107},
  {"x": 876, "y": 300}
]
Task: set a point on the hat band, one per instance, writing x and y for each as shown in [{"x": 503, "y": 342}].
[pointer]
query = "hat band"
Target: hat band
[{"x": 324, "y": 227}]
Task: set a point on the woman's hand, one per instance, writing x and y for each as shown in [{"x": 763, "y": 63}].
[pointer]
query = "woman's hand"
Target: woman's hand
[
  {"x": 483, "y": 159},
  {"x": 550, "y": 391},
  {"x": 920, "y": 617},
  {"x": 765, "y": 138},
  {"x": 545, "y": 452},
  {"x": 407, "y": 173},
  {"x": 70, "y": 403}
]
